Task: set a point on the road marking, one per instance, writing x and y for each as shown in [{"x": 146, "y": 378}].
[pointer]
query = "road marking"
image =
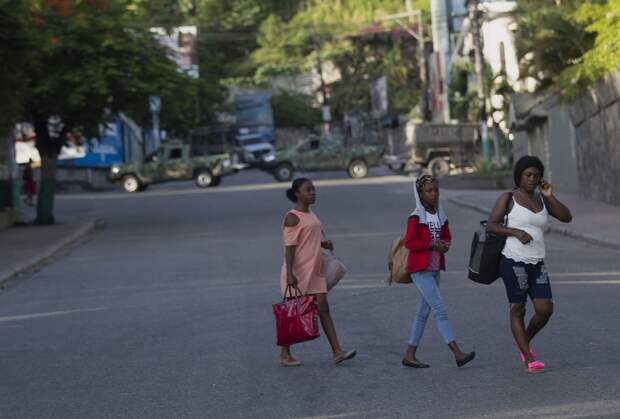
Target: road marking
[
  {"x": 379, "y": 234},
  {"x": 581, "y": 409},
  {"x": 552, "y": 274},
  {"x": 339, "y": 415},
  {"x": 617, "y": 273},
  {"x": 383, "y": 180},
  {"x": 596, "y": 282},
  {"x": 360, "y": 286},
  {"x": 50, "y": 314},
  {"x": 215, "y": 240}
]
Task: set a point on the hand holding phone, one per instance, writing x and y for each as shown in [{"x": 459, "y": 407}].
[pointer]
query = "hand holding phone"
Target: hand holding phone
[{"x": 545, "y": 188}]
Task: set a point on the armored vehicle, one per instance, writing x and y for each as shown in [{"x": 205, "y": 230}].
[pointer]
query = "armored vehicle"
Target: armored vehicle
[
  {"x": 171, "y": 162},
  {"x": 322, "y": 153}
]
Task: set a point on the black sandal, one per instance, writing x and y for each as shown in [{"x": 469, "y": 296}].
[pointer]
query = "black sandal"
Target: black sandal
[
  {"x": 470, "y": 356},
  {"x": 410, "y": 364}
]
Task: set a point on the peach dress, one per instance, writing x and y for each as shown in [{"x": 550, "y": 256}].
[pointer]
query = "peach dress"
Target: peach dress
[{"x": 306, "y": 235}]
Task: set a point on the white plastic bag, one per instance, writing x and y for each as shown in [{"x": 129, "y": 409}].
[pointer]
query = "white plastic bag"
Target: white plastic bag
[{"x": 332, "y": 268}]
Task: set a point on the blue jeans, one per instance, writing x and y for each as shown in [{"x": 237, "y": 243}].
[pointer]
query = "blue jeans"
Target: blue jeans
[{"x": 428, "y": 284}]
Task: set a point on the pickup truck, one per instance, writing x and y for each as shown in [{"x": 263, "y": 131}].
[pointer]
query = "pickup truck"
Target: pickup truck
[
  {"x": 171, "y": 162},
  {"x": 322, "y": 153}
]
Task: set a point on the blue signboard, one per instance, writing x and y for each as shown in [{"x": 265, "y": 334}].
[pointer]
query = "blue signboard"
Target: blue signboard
[
  {"x": 254, "y": 116},
  {"x": 95, "y": 152}
]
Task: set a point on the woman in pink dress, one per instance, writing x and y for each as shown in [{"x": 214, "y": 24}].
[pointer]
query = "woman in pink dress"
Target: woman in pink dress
[{"x": 302, "y": 263}]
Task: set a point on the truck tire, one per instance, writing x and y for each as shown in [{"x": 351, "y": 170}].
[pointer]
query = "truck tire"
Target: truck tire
[
  {"x": 203, "y": 178},
  {"x": 131, "y": 184},
  {"x": 358, "y": 169},
  {"x": 216, "y": 181},
  {"x": 283, "y": 172},
  {"x": 397, "y": 168},
  {"x": 439, "y": 167}
]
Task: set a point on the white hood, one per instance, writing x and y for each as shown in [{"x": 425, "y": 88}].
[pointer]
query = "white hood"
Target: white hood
[{"x": 420, "y": 212}]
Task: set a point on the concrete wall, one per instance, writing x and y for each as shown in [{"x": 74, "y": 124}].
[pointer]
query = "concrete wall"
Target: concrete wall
[
  {"x": 561, "y": 152},
  {"x": 579, "y": 142},
  {"x": 546, "y": 130},
  {"x": 596, "y": 118}
]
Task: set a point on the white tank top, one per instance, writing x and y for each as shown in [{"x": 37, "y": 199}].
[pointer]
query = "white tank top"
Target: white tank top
[{"x": 532, "y": 223}]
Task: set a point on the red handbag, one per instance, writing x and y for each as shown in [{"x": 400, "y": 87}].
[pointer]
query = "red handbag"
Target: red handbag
[{"x": 296, "y": 318}]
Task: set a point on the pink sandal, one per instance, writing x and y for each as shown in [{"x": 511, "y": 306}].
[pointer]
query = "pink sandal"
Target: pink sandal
[
  {"x": 522, "y": 356},
  {"x": 535, "y": 367},
  {"x": 532, "y": 354}
]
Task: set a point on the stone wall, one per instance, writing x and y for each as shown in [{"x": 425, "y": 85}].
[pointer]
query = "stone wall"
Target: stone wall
[{"x": 596, "y": 118}]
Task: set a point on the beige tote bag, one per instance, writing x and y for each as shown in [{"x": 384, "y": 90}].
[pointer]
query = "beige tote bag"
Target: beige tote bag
[{"x": 397, "y": 263}]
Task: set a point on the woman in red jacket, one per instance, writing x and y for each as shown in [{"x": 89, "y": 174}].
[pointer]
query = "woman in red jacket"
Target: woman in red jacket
[{"x": 428, "y": 239}]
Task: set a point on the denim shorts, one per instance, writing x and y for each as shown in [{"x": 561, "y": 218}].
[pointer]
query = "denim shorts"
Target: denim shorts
[{"x": 523, "y": 279}]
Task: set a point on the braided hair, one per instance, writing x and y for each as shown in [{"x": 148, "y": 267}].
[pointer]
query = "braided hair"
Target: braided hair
[{"x": 423, "y": 180}]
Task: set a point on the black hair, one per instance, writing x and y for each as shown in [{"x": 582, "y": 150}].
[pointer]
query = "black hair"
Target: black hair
[
  {"x": 524, "y": 163},
  {"x": 290, "y": 193}
]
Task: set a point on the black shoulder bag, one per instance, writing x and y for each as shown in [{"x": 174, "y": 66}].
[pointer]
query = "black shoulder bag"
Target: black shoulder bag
[{"x": 486, "y": 250}]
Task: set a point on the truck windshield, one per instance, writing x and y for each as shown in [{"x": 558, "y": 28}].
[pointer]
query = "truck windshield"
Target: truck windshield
[{"x": 250, "y": 141}]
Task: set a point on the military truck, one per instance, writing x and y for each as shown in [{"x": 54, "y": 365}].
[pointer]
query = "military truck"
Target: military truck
[
  {"x": 435, "y": 148},
  {"x": 322, "y": 153},
  {"x": 173, "y": 161}
]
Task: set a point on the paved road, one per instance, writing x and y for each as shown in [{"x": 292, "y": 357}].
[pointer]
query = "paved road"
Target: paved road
[{"x": 166, "y": 313}]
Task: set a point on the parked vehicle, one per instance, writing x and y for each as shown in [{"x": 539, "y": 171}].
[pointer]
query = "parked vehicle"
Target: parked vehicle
[
  {"x": 322, "y": 153},
  {"x": 171, "y": 162},
  {"x": 436, "y": 148},
  {"x": 246, "y": 146},
  {"x": 251, "y": 147}
]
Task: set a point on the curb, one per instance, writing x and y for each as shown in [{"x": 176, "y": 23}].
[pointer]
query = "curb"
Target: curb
[
  {"x": 552, "y": 228},
  {"x": 6, "y": 275}
]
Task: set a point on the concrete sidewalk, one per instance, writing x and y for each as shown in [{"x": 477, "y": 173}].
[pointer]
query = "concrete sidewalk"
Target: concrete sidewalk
[
  {"x": 23, "y": 248},
  {"x": 593, "y": 222}
]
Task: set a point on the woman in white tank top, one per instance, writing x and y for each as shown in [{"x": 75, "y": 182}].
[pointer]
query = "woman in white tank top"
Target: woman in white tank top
[
  {"x": 522, "y": 262},
  {"x": 522, "y": 218}
]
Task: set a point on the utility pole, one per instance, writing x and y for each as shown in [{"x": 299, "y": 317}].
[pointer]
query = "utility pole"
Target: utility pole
[
  {"x": 475, "y": 18},
  {"x": 326, "y": 114},
  {"x": 413, "y": 16},
  {"x": 441, "y": 46},
  {"x": 155, "y": 108}
]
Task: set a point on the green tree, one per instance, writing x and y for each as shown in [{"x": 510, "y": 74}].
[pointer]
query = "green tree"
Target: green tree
[
  {"x": 14, "y": 56},
  {"x": 601, "y": 21},
  {"x": 549, "y": 39},
  {"x": 227, "y": 36},
  {"x": 347, "y": 35},
  {"x": 91, "y": 60}
]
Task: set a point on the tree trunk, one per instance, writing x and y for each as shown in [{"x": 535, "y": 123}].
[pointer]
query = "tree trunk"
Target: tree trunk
[
  {"x": 45, "y": 201},
  {"x": 48, "y": 149}
]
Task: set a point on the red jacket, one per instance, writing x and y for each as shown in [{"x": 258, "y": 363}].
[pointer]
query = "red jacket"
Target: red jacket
[{"x": 418, "y": 241}]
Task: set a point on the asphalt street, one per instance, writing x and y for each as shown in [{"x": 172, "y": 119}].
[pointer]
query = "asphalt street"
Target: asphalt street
[{"x": 166, "y": 313}]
